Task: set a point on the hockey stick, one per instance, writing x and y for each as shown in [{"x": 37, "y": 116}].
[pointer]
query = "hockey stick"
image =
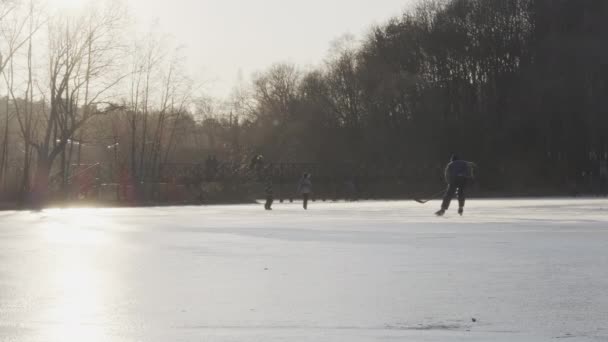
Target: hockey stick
[{"x": 434, "y": 196}]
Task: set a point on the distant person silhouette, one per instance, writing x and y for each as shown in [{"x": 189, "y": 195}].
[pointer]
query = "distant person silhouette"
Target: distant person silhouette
[
  {"x": 457, "y": 174},
  {"x": 305, "y": 188},
  {"x": 269, "y": 195}
]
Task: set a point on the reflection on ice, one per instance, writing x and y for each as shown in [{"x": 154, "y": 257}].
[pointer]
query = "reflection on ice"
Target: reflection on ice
[
  {"x": 75, "y": 277},
  {"x": 76, "y": 313}
]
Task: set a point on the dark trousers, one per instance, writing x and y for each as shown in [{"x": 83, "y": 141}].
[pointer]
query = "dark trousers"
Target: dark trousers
[
  {"x": 459, "y": 183},
  {"x": 269, "y": 200},
  {"x": 305, "y": 201}
]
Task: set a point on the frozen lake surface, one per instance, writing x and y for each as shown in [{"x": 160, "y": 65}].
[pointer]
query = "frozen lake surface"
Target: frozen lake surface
[{"x": 526, "y": 270}]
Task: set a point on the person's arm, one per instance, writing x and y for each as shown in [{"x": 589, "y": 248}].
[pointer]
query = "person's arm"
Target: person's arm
[
  {"x": 446, "y": 173},
  {"x": 472, "y": 167}
]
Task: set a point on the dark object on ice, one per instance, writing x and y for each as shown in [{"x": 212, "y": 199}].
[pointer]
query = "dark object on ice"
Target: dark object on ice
[
  {"x": 474, "y": 319},
  {"x": 429, "y": 197}
]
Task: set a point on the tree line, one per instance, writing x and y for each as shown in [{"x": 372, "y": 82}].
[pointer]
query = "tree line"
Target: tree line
[{"x": 516, "y": 85}]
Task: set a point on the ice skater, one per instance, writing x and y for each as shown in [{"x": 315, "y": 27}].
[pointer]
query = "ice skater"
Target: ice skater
[
  {"x": 305, "y": 188},
  {"x": 458, "y": 173},
  {"x": 269, "y": 195}
]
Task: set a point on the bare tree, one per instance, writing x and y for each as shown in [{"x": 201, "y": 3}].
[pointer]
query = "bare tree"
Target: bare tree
[
  {"x": 24, "y": 25},
  {"x": 14, "y": 23},
  {"x": 83, "y": 68},
  {"x": 145, "y": 65},
  {"x": 176, "y": 94},
  {"x": 276, "y": 90}
]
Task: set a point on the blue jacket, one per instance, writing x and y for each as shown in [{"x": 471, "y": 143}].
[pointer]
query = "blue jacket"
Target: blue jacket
[{"x": 458, "y": 168}]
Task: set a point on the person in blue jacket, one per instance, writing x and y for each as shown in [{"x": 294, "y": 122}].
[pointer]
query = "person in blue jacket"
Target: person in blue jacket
[{"x": 457, "y": 174}]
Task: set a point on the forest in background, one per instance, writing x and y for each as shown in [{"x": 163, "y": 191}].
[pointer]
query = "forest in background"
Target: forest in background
[{"x": 518, "y": 86}]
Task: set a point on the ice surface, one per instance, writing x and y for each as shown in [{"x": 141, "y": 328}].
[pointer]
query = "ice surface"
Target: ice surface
[{"x": 527, "y": 270}]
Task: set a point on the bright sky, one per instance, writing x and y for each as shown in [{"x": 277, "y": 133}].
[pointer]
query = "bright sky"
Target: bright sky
[{"x": 222, "y": 37}]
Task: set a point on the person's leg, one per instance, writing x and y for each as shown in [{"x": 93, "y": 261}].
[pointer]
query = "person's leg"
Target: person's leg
[
  {"x": 268, "y": 203},
  {"x": 461, "y": 193},
  {"x": 461, "y": 196},
  {"x": 305, "y": 201},
  {"x": 447, "y": 198}
]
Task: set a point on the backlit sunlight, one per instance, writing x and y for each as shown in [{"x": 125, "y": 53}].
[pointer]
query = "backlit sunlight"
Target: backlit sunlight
[
  {"x": 75, "y": 227},
  {"x": 77, "y": 275}
]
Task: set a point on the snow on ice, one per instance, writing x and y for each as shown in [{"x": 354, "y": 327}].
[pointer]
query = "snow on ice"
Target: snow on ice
[{"x": 509, "y": 270}]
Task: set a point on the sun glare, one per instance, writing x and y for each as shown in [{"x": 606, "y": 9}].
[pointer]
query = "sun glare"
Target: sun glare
[
  {"x": 76, "y": 227},
  {"x": 76, "y": 275}
]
